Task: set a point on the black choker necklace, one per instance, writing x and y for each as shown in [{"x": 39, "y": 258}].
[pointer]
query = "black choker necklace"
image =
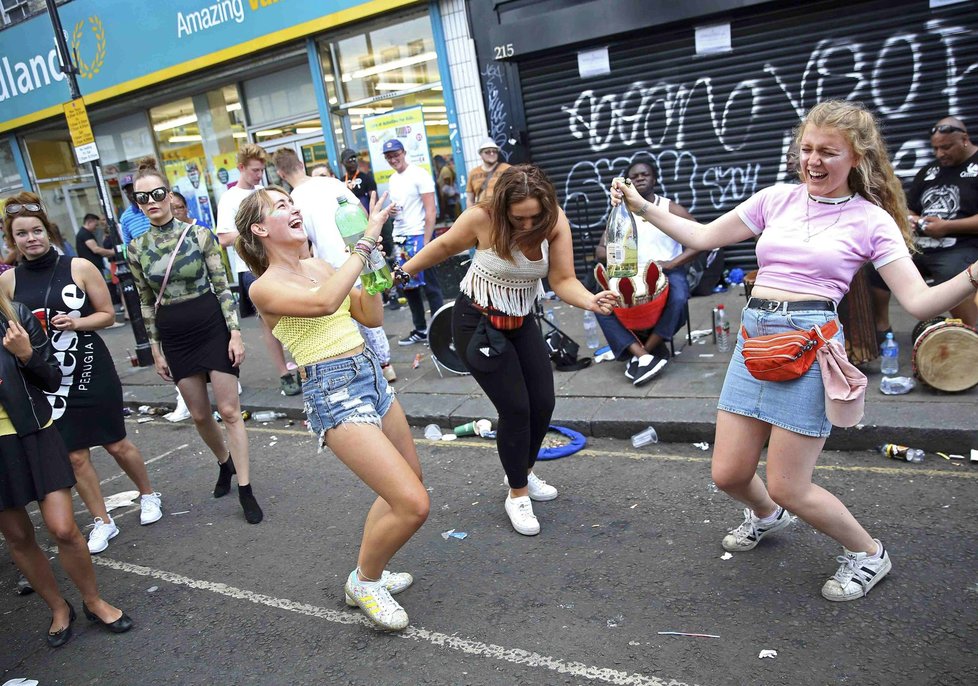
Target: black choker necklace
[{"x": 831, "y": 201}]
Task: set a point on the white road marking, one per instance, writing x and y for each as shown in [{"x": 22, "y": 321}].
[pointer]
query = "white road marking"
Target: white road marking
[
  {"x": 516, "y": 656},
  {"x": 148, "y": 462}
]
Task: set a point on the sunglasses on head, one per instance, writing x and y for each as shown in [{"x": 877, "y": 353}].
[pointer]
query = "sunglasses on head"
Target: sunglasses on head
[
  {"x": 157, "y": 195},
  {"x": 947, "y": 128},
  {"x": 18, "y": 207}
]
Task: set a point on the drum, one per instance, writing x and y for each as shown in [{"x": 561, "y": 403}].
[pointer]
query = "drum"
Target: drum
[
  {"x": 858, "y": 321},
  {"x": 749, "y": 279},
  {"x": 945, "y": 354},
  {"x": 441, "y": 342}
]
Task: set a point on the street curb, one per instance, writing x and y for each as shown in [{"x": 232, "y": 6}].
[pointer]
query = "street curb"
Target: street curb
[{"x": 681, "y": 420}]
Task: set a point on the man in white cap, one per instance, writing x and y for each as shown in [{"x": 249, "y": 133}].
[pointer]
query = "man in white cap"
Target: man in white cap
[{"x": 483, "y": 178}]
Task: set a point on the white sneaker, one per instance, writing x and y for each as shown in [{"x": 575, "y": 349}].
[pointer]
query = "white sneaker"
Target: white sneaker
[
  {"x": 539, "y": 489},
  {"x": 376, "y": 602},
  {"x": 856, "y": 575},
  {"x": 520, "y": 511},
  {"x": 150, "y": 508},
  {"x": 749, "y": 534},
  {"x": 394, "y": 582},
  {"x": 179, "y": 413},
  {"x": 102, "y": 532}
]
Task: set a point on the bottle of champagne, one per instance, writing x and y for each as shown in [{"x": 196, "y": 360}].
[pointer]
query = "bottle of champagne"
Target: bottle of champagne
[
  {"x": 352, "y": 222},
  {"x": 621, "y": 241}
]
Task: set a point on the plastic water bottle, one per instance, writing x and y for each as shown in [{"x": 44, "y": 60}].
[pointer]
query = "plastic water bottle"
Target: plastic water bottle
[
  {"x": 549, "y": 315},
  {"x": 591, "y": 330},
  {"x": 902, "y": 453},
  {"x": 890, "y": 366},
  {"x": 351, "y": 223},
  {"x": 722, "y": 328},
  {"x": 896, "y": 385},
  {"x": 268, "y": 416}
]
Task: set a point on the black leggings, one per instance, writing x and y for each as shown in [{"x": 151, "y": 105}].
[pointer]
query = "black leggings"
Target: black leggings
[{"x": 521, "y": 388}]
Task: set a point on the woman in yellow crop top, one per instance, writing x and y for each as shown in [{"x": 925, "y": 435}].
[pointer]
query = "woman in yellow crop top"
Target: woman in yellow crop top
[{"x": 310, "y": 307}]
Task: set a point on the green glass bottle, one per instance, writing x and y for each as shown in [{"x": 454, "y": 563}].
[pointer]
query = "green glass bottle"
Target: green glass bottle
[{"x": 351, "y": 223}]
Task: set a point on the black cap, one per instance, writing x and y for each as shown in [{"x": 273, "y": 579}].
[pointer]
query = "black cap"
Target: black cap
[{"x": 347, "y": 154}]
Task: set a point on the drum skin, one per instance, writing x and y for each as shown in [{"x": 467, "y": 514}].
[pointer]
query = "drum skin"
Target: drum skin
[
  {"x": 441, "y": 342},
  {"x": 945, "y": 354}
]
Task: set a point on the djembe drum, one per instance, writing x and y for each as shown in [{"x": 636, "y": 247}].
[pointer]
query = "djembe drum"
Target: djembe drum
[{"x": 945, "y": 354}]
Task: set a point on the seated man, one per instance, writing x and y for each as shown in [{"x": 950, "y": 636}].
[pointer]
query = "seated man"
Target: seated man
[
  {"x": 943, "y": 204},
  {"x": 644, "y": 348}
]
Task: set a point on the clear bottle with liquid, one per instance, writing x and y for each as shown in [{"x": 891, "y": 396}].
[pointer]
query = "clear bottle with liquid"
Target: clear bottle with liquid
[
  {"x": 268, "y": 416},
  {"x": 591, "y": 330},
  {"x": 351, "y": 223},
  {"x": 621, "y": 242},
  {"x": 890, "y": 350},
  {"x": 721, "y": 329}
]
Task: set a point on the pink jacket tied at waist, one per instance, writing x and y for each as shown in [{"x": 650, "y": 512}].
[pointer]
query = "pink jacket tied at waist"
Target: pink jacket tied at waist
[{"x": 845, "y": 386}]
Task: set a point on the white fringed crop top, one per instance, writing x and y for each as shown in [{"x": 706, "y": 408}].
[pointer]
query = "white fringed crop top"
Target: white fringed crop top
[{"x": 508, "y": 286}]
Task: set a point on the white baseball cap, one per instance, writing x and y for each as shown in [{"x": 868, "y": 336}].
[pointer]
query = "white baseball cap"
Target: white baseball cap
[{"x": 488, "y": 144}]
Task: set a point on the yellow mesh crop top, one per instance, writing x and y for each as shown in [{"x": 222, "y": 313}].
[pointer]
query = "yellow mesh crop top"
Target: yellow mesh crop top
[{"x": 311, "y": 339}]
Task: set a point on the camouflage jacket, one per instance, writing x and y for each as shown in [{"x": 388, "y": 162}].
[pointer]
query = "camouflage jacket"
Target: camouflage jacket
[{"x": 197, "y": 270}]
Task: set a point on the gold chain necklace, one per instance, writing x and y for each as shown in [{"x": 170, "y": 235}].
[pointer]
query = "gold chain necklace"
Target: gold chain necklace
[
  {"x": 811, "y": 198},
  {"x": 315, "y": 282}
]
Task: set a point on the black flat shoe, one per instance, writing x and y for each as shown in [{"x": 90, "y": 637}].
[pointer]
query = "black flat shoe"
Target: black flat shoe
[
  {"x": 226, "y": 470},
  {"x": 56, "y": 639},
  {"x": 119, "y": 626}
]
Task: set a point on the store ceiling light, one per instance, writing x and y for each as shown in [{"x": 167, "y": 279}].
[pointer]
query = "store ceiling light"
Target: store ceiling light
[
  {"x": 233, "y": 107},
  {"x": 185, "y": 139},
  {"x": 396, "y": 86},
  {"x": 176, "y": 122},
  {"x": 308, "y": 129},
  {"x": 391, "y": 66},
  {"x": 239, "y": 134},
  {"x": 269, "y": 132}
]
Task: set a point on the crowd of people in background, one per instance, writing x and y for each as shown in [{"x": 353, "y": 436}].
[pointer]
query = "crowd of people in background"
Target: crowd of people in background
[{"x": 289, "y": 265}]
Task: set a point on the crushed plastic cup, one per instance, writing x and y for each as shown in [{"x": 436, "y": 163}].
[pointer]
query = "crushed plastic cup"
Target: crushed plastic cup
[
  {"x": 644, "y": 437},
  {"x": 896, "y": 385},
  {"x": 432, "y": 432}
]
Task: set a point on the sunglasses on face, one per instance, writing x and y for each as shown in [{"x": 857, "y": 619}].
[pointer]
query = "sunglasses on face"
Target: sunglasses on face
[
  {"x": 157, "y": 195},
  {"x": 17, "y": 207},
  {"x": 947, "y": 128}
]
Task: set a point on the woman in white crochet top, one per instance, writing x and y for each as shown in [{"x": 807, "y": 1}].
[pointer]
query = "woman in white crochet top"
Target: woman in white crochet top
[{"x": 521, "y": 236}]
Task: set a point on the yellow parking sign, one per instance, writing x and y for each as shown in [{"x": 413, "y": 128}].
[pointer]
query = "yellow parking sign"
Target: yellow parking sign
[{"x": 81, "y": 131}]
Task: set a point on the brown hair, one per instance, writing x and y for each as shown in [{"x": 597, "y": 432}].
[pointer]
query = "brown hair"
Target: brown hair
[
  {"x": 514, "y": 185},
  {"x": 873, "y": 176},
  {"x": 251, "y": 151},
  {"x": 287, "y": 161},
  {"x": 146, "y": 167},
  {"x": 253, "y": 210},
  {"x": 8, "y": 220}
]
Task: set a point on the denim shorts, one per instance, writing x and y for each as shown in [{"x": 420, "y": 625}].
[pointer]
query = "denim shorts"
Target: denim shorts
[
  {"x": 797, "y": 405},
  {"x": 345, "y": 390}
]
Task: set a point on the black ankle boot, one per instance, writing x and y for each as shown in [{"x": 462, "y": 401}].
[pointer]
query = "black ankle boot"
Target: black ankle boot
[
  {"x": 223, "y": 485},
  {"x": 252, "y": 511}
]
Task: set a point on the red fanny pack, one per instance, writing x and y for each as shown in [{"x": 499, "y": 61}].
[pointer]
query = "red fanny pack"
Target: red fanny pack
[
  {"x": 784, "y": 356},
  {"x": 500, "y": 320}
]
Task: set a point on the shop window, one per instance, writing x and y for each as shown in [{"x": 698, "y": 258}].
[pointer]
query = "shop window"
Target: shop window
[
  {"x": 198, "y": 139},
  {"x": 280, "y": 96},
  {"x": 66, "y": 188},
  {"x": 10, "y": 181},
  {"x": 385, "y": 66}
]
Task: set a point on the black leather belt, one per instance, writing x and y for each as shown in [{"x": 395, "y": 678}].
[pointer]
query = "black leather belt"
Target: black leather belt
[{"x": 789, "y": 305}]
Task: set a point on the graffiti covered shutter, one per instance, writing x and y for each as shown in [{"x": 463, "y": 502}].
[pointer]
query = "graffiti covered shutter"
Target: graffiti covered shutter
[{"x": 718, "y": 126}]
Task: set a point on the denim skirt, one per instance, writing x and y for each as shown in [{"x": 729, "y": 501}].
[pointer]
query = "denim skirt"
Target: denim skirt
[
  {"x": 345, "y": 390},
  {"x": 797, "y": 405}
]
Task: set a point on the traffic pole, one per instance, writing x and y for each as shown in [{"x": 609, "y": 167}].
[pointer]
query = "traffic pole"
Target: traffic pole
[{"x": 144, "y": 353}]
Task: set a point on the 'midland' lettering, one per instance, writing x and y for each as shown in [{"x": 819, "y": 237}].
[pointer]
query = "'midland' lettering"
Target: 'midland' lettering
[{"x": 23, "y": 77}]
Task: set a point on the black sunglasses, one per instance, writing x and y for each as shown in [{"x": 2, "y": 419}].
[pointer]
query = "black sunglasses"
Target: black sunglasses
[
  {"x": 17, "y": 207},
  {"x": 947, "y": 128},
  {"x": 157, "y": 194}
]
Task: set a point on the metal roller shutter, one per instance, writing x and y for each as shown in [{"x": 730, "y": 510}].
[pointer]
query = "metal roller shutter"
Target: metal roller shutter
[{"x": 718, "y": 126}]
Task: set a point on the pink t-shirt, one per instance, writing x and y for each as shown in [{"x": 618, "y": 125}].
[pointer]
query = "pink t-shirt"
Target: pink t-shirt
[{"x": 842, "y": 239}]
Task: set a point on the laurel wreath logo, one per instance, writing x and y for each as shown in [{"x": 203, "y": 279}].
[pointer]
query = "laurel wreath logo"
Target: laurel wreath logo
[{"x": 89, "y": 70}]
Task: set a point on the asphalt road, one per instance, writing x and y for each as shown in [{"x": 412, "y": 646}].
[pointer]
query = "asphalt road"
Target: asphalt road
[{"x": 629, "y": 549}]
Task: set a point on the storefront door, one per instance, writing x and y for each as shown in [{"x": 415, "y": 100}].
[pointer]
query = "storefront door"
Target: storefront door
[{"x": 310, "y": 149}]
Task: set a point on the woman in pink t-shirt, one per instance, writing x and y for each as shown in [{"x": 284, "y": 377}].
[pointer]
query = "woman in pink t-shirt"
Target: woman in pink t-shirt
[{"x": 812, "y": 238}]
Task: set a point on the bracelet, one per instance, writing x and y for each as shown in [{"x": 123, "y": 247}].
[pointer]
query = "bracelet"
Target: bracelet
[
  {"x": 362, "y": 252},
  {"x": 971, "y": 278},
  {"x": 645, "y": 208},
  {"x": 370, "y": 239},
  {"x": 401, "y": 275}
]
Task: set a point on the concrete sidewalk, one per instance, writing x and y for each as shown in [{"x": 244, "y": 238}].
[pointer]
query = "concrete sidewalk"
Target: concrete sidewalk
[{"x": 599, "y": 401}]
